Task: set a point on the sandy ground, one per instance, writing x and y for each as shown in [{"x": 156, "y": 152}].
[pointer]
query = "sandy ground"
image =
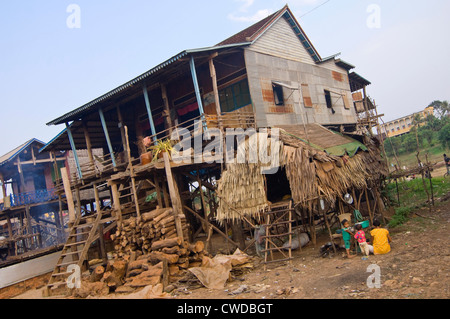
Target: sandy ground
[{"x": 416, "y": 268}]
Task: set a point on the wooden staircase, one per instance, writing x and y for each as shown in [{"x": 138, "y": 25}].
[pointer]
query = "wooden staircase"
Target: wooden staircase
[{"x": 75, "y": 252}]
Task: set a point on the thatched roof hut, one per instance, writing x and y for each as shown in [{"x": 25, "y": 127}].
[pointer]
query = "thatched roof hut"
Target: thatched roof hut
[{"x": 314, "y": 172}]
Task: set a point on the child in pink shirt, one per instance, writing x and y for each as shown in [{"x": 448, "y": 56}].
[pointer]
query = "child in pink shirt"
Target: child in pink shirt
[{"x": 362, "y": 241}]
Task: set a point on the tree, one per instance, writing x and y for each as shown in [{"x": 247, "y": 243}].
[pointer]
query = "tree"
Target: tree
[
  {"x": 427, "y": 134},
  {"x": 409, "y": 142},
  {"x": 442, "y": 108},
  {"x": 444, "y": 136}
]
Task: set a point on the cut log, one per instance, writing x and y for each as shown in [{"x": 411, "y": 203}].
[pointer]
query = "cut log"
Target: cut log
[
  {"x": 137, "y": 264},
  {"x": 197, "y": 247},
  {"x": 171, "y": 251},
  {"x": 174, "y": 270},
  {"x": 156, "y": 257},
  {"x": 168, "y": 243},
  {"x": 97, "y": 274},
  {"x": 147, "y": 217},
  {"x": 139, "y": 282}
]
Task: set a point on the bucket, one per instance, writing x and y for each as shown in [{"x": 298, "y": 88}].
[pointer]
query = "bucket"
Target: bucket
[{"x": 365, "y": 224}]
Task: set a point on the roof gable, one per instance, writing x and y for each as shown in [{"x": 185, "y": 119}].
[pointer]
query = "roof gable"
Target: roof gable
[
  {"x": 18, "y": 150},
  {"x": 254, "y": 32}
]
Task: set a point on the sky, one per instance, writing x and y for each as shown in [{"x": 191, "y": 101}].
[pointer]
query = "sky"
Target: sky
[{"x": 55, "y": 57}]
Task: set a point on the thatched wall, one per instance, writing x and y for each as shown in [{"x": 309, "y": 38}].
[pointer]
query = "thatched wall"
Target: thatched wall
[
  {"x": 241, "y": 192},
  {"x": 312, "y": 174}
]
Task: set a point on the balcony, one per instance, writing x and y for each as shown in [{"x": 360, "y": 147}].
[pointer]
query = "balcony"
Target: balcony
[{"x": 30, "y": 198}]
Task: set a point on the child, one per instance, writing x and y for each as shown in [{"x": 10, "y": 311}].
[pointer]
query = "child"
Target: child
[
  {"x": 347, "y": 236},
  {"x": 362, "y": 241},
  {"x": 381, "y": 239}
]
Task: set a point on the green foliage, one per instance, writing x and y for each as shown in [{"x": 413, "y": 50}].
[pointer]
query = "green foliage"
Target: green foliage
[
  {"x": 442, "y": 108},
  {"x": 412, "y": 196},
  {"x": 444, "y": 136}
]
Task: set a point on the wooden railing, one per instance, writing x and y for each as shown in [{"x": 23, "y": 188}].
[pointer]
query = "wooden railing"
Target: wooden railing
[{"x": 200, "y": 124}]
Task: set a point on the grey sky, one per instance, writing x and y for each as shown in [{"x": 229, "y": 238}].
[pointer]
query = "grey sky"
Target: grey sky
[{"x": 47, "y": 69}]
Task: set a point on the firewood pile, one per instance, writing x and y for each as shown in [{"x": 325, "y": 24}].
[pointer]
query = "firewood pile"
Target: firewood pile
[
  {"x": 138, "y": 234},
  {"x": 166, "y": 262}
]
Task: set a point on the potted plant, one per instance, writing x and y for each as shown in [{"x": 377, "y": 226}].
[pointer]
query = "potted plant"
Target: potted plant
[{"x": 160, "y": 147}]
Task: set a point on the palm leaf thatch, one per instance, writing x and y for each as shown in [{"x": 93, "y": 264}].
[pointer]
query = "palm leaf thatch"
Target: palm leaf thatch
[
  {"x": 312, "y": 174},
  {"x": 241, "y": 192}
]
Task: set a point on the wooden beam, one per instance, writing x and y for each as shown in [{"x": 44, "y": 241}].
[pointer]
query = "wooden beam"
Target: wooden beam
[
  {"x": 213, "y": 73},
  {"x": 174, "y": 195},
  {"x": 88, "y": 144},
  {"x": 212, "y": 226},
  {"x": 133, "y": 180},
  {"x": 69, "y": 196},
  {"x": 169, "y": 120},
  {"x": 116, "y": 200}
]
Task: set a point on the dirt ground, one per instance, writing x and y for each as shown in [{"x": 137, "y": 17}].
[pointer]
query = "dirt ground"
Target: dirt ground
[{"x": 416, "y": 268}]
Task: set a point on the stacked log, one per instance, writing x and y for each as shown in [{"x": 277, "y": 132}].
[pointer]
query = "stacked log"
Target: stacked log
[{"x": 139, "y": 234}]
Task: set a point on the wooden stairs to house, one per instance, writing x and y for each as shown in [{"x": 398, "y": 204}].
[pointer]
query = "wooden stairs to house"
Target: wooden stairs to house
[
  {"x": 278, "y": 219},
  {"x": 85, "y": 231}
]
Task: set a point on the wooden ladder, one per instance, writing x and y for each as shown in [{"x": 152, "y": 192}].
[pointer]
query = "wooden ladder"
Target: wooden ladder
[
  {"x": 82, "y": 234},
  {"x": 278, "y": 226},
  {"x": 128, "y": 195}
]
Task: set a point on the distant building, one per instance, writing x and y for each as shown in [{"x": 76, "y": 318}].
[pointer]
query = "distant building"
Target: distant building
[{"x": 403, "y": 125}]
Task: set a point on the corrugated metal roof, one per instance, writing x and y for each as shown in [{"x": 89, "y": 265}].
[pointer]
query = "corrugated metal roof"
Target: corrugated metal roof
[{"x": 71, "y": 115}]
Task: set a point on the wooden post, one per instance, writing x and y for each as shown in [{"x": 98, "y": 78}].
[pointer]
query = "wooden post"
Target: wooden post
[
  {"x": 69, "y": 196},
  {"x": 166, "y": 195},
  {"x": 3, "y": 185},
  {"x": 116, "y": 200},
  {"x": 27, "y": 208},
  {"x": 133, "y": 180},
  {"x": 122, "y": 132},
  {"x": 174, "y": 195},
  {"x": 101, "y": 243},
  {"x": 169, "y": 120},
  {"x": 78, "y": 199},
  {"x": 88, "y": 145}
]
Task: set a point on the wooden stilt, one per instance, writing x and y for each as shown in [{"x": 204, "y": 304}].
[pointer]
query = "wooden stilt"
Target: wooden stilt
[
  {"x": 174, "y": 195},
  {"x": 69, "y": 196}
]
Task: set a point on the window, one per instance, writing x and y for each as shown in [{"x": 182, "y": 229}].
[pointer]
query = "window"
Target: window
[
  {"x": 328, "y": 99},
  {"x": 235, "y": 96},
  {"x": 278, "y": 94}
]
